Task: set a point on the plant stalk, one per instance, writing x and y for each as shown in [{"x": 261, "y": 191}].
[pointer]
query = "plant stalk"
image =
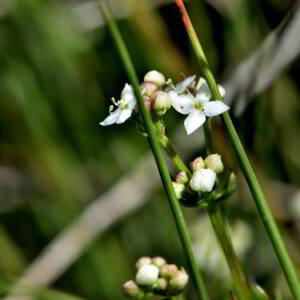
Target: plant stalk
[
  {"x": 155, "y": 147},
  {"x": 169, "y": 148},
  {"x": 221, "y": 230},
  {"x": 261, "y": 203}
]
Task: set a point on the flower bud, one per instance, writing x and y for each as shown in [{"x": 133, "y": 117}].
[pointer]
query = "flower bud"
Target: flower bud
[
  {"x": 178, "y": 188},
  {"x": 158, "y": 261},
  {"x": 203, "y": 180},
  {"x": 222, "y": 91},
  {"x": 155, "y": 77},
  {"x": 197, "y": 163},
  {"x": 145, "y": 260},
  {"x": 160, "y": 285},
  {"x": 161, "y": 103},
  {"x": 179, "y": 281},
  {"x": 147, "y": 102},
  {"x": 148, "y": 88},
  {"x": 182, "y": 177},
  {"x": 147, "y": 275},
  {"x": 132, "y": 290},
  {"x": 168, "y": 271},
  {"x": 214, "y": 162}
]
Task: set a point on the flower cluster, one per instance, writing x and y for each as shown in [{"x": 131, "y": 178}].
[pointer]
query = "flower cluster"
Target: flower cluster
[
  {"x": 187, "y": 97},
  {"x": 204, "y": 175},
  {"x": 154, "y": 278}
]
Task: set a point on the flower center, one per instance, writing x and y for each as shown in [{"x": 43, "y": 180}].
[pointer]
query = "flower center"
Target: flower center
[
  {"x": 198, "y": 105},
  {"x": 123, "y": 104}
]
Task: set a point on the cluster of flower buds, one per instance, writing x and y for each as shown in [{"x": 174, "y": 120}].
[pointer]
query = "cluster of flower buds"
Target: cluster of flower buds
[
  {"x": 187, "y": 97},
  {"x": 205, "y": 172},
  {"x": 154, "y": 278},
  {"x": 204, "y": 175}
]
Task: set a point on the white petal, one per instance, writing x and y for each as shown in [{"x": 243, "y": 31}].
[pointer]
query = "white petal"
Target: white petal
[
  {"x": 127, "y": 89},
  {"x": 147, "y": 275},
  {"x": 222, "y": 91},
  {"x": 203, "y": 180},
  {"x": 183, "y": 85},
  {"x": 203, "y": 91},
  {"x": 214, "y": 108},
  {"x": 183, "y": 104},
  {"x": 132, "y": 103},
  {"x": 194, "y": 120},
  {"x": 123, "y": 116},
  {"x": 111, "y": 118}
]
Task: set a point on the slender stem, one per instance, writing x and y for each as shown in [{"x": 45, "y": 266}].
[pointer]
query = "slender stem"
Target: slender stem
[
  {"x": 169, "y": 148},
  {"x": 218, "y": 222},
  {"x": 261, "y": 203},
  {"x": 221, "y": 230},
  {"x": 154, "y": 145}
]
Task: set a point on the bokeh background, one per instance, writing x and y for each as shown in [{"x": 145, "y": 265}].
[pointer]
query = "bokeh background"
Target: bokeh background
[{"x": 65, "y": 178}]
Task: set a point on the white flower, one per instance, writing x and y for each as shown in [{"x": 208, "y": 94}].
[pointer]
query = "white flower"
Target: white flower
[
  {"x": 197, "y": 107},
  {"x": 125, "y": 107},
  {"x": 203, "y": 180},
  {"x": 147, "y": 275}
]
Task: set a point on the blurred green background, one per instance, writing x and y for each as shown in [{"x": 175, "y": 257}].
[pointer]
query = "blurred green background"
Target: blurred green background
[{"x": 58, "y": 70}]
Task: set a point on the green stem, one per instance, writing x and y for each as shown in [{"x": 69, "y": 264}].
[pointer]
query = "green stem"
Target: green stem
[
  {"x": 221, "y": 230},
  {"x": 154, "y": 145},
  {"x": 172, "y": 153},
  {"x": 261, "y": 203},
  {"x": 218, "y": 222}
]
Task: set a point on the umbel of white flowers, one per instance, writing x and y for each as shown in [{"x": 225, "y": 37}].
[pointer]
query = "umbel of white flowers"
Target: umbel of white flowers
[
  {"x": 154, "y": 278},
  {"x": 159, "y": 95}
]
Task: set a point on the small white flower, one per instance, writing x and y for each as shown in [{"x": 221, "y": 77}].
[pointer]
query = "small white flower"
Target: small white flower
[
  {"x": 198, "y": 107},
  {"x": 203, "y": 180},
  {"x": 147, "y": 275},
  {"x": 125, "y": 105}
]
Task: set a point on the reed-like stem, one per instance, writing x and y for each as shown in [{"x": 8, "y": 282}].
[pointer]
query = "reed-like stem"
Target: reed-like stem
[
  {"x": 221, "y": 230},
  {"x": 155, "y": 147},
  {"x": 261, "y": 203}
]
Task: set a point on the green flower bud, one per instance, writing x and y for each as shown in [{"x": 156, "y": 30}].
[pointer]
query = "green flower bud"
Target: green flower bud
[
  {"x": 197, "y": 164},
  {"x": 145, "y": 260},
  {"x": 214, "y": 162},
  {"x": 178, "y": 188},
  {"x": 147, "y": 275},
  {"x": 168, "y": 271},
  {"x": 161, "y": 103},
  {"x": 182, "y": 177},
  {"x": 155, "y": 77},
  {"x": 158, "y": 261},
  {"x": 160, "y": 285},
  {"x": 132, "y": 290},
  {"x": 179, "y": 280}
]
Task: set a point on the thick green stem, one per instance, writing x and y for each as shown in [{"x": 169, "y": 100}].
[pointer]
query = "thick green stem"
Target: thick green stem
[
  {"x": 261, "y": 203},
  {"x": 155, "y": 147},
  {"x": 221, "y": 230}
]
